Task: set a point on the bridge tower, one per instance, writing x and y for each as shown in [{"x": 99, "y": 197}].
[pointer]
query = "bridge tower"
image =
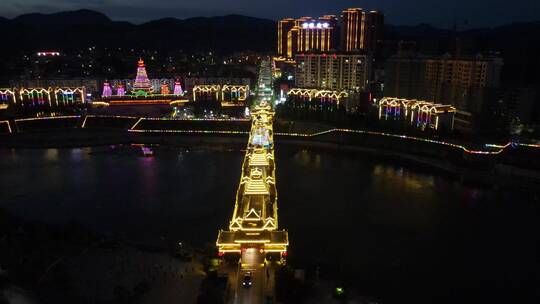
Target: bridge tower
[{"x": 254, "y": 223}]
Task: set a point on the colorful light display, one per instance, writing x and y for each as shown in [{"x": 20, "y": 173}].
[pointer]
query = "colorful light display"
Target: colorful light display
[
  {"x": 107, "y": 92},
  {"x": 419, "y": 112},
  {"x": 254, "y": 221},
  {"x": 35, "y": 96},
  {"x": 323, "y": 95},
  {"x": 140, "y": 101},
  {"x": 165, "y": 89},
  {"x": 142, "y": 92},
  {"x": 142, "y": 83},
  {"x": 120, "y": 91},
  {"x": 234, "y": 92},
  {"x": 494, "y": 148},
  {"x": 69, "y": 95},
  {"x": 206, "y": 91},
  {"x": 178, "y": 89},
  {"x": 7, "y": 95}
]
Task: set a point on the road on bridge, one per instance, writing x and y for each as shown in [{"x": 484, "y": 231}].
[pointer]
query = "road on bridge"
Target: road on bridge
[{"x": 262, "y": 277}]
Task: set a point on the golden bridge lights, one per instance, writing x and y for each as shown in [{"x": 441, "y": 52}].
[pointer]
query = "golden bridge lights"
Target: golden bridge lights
[
  {"x": 322, "y": 95},
  {"x": 227, "y": 94},
  {"x": 206, "y": 92},
  {"x": 231, "y": 94},
  {"x": 254, "y": 222}
]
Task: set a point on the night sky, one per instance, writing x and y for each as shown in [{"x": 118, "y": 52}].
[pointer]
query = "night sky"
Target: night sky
[{"x": 467, "y": 13}]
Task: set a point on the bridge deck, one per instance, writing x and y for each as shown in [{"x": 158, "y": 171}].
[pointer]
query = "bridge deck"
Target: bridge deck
[{"x": 254, "y": 222}]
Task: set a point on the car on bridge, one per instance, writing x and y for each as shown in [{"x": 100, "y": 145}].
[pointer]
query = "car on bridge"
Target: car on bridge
[{"x": 247, "y": 280}]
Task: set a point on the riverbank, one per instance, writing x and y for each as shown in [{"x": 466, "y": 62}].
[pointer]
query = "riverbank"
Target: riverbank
[
  {"x": 499, "y": 175},
  {"x": 70, "y": 264}
]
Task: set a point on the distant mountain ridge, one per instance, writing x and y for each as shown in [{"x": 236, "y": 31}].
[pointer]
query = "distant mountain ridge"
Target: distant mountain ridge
[
  {"x": 82, "y": 28},
  {"x": 227, "y": 33},
  {"x": 518, "y": 44},
  {"x": 78, "y": 17}
]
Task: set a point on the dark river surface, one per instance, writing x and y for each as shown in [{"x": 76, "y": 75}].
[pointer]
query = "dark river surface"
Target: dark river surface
[{"x": 390, "y": 230}]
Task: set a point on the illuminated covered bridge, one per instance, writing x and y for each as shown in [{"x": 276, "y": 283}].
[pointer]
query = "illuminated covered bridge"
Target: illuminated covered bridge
[{"x": 254, "y": 222}]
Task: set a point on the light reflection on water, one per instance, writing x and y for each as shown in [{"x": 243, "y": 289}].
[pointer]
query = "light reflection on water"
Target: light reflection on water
[
  {"x": 351, "y": 214},
  {"x": 51, "y": 154}
]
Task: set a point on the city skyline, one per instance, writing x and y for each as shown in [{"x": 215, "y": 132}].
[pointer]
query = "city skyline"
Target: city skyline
[
  {"x": 466, "y": 14},
  {"x": 143, "y": 145}
]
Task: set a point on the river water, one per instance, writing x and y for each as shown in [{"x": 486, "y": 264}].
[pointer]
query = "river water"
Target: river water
[{"x": 385, "y": 229}]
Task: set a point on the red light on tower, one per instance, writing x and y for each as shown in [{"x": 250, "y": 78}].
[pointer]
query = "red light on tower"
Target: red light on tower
[{"x": 221, "y": 253}]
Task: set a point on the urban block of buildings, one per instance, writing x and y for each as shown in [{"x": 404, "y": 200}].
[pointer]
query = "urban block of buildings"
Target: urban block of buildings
[
  {"x": 330, "y": 54},
  {"x": 466, "y": 83},
  {"x": 354, "y": 30}
]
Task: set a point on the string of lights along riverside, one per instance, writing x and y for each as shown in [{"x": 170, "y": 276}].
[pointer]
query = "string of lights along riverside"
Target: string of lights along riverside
[{"x": 254, "y": 223}]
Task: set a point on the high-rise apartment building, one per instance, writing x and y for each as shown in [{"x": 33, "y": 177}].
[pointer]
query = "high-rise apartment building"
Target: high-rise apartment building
[
  {"x": 336, "y": 72},
  {"x": 361, "y": 30},
  {"x": 373, "y": 26},
  {"x": 354, "y": 31},
  {"x": 352, "y": 35},
  {"x": 463, "y": 82},
  {"x": 307, "y": 34},
  {"x": 445, "y": 79},
  {"x": 284, "y": 27}
]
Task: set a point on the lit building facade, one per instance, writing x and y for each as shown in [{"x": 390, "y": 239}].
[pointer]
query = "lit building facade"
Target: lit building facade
[
  {"x": 356, "y": 30},
  {"x": 373, "y": 30},
  {"x": 284, "y": 26},
  {"x": 191, "y": 82},
  {"x": 307, "y": 34},
  {"x": 42, "y": 98},
  {"x": 441, "y": 79},
  {"x": 254, "y": 222},
  {"x": 461, "y": 82},
  {"x": 361, "y": 30},
  {"x": 419, "y": 113},
  {"x": 349, "y": 72},
  {"x": 91, "y": 85},
  {"x": 141, "y": 90}
]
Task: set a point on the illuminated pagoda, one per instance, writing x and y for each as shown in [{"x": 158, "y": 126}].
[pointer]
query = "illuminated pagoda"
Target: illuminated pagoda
[
  {"x": 142, "y": 91},
  {"x": 165, "y": 89},
  {"x": 178, "y": 88},
  {"x": 107, "y": 92},
  {"x": 254, "y": 223},
  {"x": 120, "y": 91},
  {"x": 142, "y": 85}
]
